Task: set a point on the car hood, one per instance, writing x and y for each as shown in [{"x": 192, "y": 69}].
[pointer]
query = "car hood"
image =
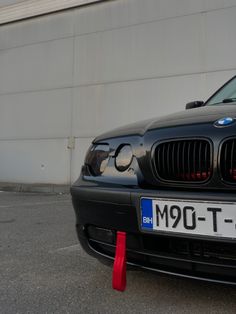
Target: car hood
[{"x": 208, "y": 114}]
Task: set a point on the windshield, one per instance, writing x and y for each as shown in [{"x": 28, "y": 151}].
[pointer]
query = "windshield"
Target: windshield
[{"x": 225, "y": 94}]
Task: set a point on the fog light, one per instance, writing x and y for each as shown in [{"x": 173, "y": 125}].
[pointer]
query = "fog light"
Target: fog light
[{"x": 124, "y": 157}]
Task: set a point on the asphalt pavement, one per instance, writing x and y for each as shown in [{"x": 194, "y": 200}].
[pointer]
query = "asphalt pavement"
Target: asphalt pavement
[{"x": 44, "y": 270}]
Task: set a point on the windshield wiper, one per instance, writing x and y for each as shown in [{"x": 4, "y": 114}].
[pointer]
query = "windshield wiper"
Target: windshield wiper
[{"x": 226, "y": 100}]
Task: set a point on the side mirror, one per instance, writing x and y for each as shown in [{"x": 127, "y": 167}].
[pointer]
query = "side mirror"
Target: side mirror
[{"x": 194, "y": 104}]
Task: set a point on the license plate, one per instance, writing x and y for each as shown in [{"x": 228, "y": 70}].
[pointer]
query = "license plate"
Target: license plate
[{"x": 189, "y": 217}]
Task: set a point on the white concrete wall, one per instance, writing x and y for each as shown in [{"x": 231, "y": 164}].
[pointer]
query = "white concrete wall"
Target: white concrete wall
[
  {"x": 4, "y": 3},
  {"x": 85, "y": 71}
]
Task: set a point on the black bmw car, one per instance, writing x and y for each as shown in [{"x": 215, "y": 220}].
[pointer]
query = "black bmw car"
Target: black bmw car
[{"x": 169, "y": 184}]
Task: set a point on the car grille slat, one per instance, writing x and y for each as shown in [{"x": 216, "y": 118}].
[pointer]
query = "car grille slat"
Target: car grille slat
[
  {"x": 206, "y": 159},
  {"x": 163, "y": 158},
  {"x": 228, "y": 161},
  {"x": 232, "y": 156},
  {"x": 199, "y": 160},
  {"x": 178, "y": 159},
  {"x": 225, "y": 158},
  {"x": 188, "y": 160},
  {"x": 194, "y": 156},
  {"x": 168, "y": 156},
  {"x": 183, "y": 160},
  {"x": 173, "y": 159}
]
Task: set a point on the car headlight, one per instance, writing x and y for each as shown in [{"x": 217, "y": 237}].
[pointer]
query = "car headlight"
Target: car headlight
[
  {"x": 97, "y": 158},
  {"x": 123, "y": 157}
]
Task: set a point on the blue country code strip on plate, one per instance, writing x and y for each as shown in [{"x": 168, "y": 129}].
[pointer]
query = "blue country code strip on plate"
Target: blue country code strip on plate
[{"x": 147, "y": 213}]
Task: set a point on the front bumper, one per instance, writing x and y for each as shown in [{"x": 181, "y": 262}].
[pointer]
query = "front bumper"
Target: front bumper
[{"x": 102, "y": 210}]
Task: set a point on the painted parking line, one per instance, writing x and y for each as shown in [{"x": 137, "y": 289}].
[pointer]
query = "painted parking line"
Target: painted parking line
[{"x": 70, "y": 248}]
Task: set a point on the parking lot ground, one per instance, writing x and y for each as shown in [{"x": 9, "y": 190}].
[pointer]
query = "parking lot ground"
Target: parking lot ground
[{"x": 44, "y": 270}]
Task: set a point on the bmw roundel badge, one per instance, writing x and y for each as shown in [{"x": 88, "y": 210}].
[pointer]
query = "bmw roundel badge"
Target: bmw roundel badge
[{"x": 223, "y": 122}]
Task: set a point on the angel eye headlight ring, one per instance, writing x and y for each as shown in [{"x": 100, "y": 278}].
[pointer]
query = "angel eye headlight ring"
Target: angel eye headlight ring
[{"x": 124, "y": 157}]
